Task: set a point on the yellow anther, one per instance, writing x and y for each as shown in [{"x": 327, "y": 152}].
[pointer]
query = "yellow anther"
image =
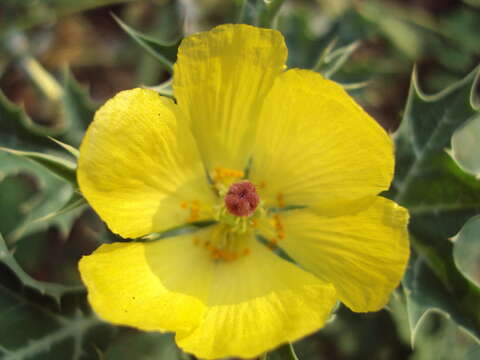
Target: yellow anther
[
  {"x": 278, "y": 223},
  {"x": 221, "y": 174},
  {"x": 194, "y": 207}
]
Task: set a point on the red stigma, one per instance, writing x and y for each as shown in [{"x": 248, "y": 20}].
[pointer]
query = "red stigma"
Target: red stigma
[{"x": 242, "y": 199}]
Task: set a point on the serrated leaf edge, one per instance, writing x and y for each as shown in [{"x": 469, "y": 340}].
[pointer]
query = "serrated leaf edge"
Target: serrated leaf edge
[{"x": 56, "y": 291}]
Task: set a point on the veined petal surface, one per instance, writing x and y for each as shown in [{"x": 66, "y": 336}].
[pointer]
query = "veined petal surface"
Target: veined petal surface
[
  {"x": 142, "y": 284},
  {"x": 363, "y": 255},
  {"x": 221, "y": 78},
  {"x": 256, "y": 303},
  {"x": 315, "y": 146},
  {"x": 139, "y": 163}
]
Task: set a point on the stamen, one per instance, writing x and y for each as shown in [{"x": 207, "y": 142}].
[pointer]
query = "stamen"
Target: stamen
[
  {"x": 221, "y": 174},
  {"x": 242, "y": 199},
  {"x": 279, "y": 226},
  {"x": 194, "y": 208},
  {"x": 221, "y": 247},
  {"x": 280, "y": 200}
]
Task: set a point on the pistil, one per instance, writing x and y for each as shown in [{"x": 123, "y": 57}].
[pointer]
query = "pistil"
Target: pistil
[{"x": 242, "y": 199}]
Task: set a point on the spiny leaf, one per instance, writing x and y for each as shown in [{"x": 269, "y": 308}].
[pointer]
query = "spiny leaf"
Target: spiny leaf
[
  {"x": 164, "y": 52},
  {"x": 268, "y": 12},
  {"x": 330, "y": 61},
  {"x": 18, "y": 131},
  {"x": 143, "y": 345},
  {"x": 466, "y": 250},
  {"x": 76, "y": 203},
  {"x": 53, "y": 194},
  {"x": 69, "y": 148},
  {"x": 78, "y": 109},
  {"x": 56, "y": 291},
  {"x": 425, "y": 294},
  {"x": 466, "y": 146},
  {"x": 61, "y": 167},
  {"x": 440, "y": 198},
  {"x": 31, "y": 330}
]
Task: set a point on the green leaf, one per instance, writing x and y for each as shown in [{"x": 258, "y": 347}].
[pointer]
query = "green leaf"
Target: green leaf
[
  {"x": 330, "y": 61},
  {"x": 284, "y": 352},
  {"x": 440, "y": 198},
  {"x": 426, "y": 294},
  {"x": 51, "y": 196},
  {"x": 76, "y": 203},
  {"x": 268, "y": 12},
  {"x": 69, "y": 148},
  {"x": 164, "y": 89},
  {"x": 31, "y": 329},
  {"x": 78, "y": 109},
  {"x": 63, "y": 168},
  {"x": 165, "y": 52},
  {"x": 143, "y": 345},
  {"x": 56, "y": 291},
  {"x": 466, "y": 146},
  {"x": 437, "y": 335},
  {"x": 27, "y": 13},
  {"x": 18, "y": 131},
  {"x": 466, "y": 250}
]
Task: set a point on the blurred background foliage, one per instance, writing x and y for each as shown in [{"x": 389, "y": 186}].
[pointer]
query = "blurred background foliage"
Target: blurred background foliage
[{"x": 60, "y": 59}]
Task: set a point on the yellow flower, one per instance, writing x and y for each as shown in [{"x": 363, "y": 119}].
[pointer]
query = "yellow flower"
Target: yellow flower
[{"x": 279, "y": 161}]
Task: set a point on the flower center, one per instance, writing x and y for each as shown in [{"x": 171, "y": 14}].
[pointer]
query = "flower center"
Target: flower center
[{"x": 242, "y": 199}]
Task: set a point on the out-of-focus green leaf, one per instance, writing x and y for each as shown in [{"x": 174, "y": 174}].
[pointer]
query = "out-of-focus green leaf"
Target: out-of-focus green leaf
[
  {"x": 63, "y": 168},
  {"x": 466, "y": 146},
  {"x": 76, "y": 203},
  {"x": 164, "y": 52},
  {"x": 466, "y": 250},
  {"x": 27, "y": 13},
  {"x": 268, "y": 12},
  {"x": 56, "y": 291},
  {"x": 440, "y": 198},
  {"x": 401, "y": 33},
  {"x": 78, "y": 109},
  {"x": 18, "y": 131},
  {"x": 331, "y": 60},
  {"x": 143, "y": 345},
  {"x": 284, "y": 352}
]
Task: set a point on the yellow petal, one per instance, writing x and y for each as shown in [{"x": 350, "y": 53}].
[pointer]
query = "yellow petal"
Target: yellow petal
[
  {"x": 315, "y": 146},
  {"x": 256, "y": 303},
  {"x": 139, "y": 164},
  {"x": 150, "y": 286},
  {"x": 220, "y": 81},
  {"x": 363, "y": 255}
]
